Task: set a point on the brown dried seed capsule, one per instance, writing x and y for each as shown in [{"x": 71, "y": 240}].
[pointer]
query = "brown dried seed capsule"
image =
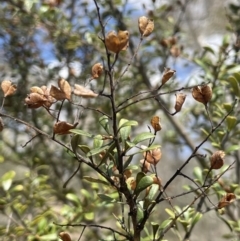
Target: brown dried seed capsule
[
  {"x": 217, "y": 159},
  {"x": 97, "y": 70},
  {"x": 202, "y": 94},
  {"x": 117, "y": 42},
  {"x": 65, "y": 236},
  {"x": 180, "y": 98},
  {"x": 167, "y": 74},
  {"x": 155, "y": 122},
  {"x": 226, "y": 200},
  {"x": 145, "y": 25},
  {"x": 8, "y": 88}
]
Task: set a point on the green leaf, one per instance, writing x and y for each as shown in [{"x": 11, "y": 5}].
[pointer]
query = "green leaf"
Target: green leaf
[
  {"x": 109, "y": 152},
  {"x": 155, "y": 227},
  {"x": 227, "y": 106},
  {"x": 28, "y": 4},
  {"x": 140, "y": 213},
  {"x": 124, "y": 123},
  {"x": 97, "y": 150},
  {"x": 104, "y": 122},
  {"x": 8, "y": 175},
  {"x": 164, "y": 224},
  {"x": 81, "y": 133},
  {"x": 143, "y": 184},
  {"x": 106, "y": 198},
  {"x": 89, "y": 216},
  {"x": 231, "y": 122},
  {"x": 208, "y": 49},
  {"x": 140, "y": 175},
  {"x": 170, "y": 212},
  {"x": 237, "y": 77},
  {"x": 232, "y": 148},
  {"x": 196, "y": 218},
  {"x": 2, "y": 159},
  {"x": 235, "y": 87},
  {"x": 127, "y": 162},
  {"x": 125, "y": 132},
  {"x": 130, "y": 144},
  {"x": 146, "y": 149},
  {"x": 152, "y": 192},
  {"x": 95, "y": 180},
  {"x": 52, "y": 236},
  {"x": 73, "y": 197},
  {"x": 197, "y": 172},
  {"x": 84, "y": 148},
  {"x": 142, "y": 137},
  {"x": 73, "y": 42},
  {"x": 74, "y": 142},
  {"x": 97, "y": 141},
  {"x": 7, "y": 179}
]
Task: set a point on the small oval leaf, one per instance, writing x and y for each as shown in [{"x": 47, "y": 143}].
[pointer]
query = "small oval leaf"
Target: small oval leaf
[
  {"x": 143, "y": 184},
  {"x": 142, "y": 137}
]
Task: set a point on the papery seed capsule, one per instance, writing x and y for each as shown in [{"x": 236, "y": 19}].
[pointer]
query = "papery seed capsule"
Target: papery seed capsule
[
  {"x": 217, "y": 159},
  {"x": 180, "y": 98},
  {"x": 202, "y": 94}
]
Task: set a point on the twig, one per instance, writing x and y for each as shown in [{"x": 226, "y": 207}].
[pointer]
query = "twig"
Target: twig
[
  {"x": 90, "y": 108},
  {"x": 3, "y": 103},
  {"x": 209, "y": 117},
  {"x": 75, "y": 172},
  {"x": 155, "y": 95},
  {"x": 92, "y": 226},
  {"x": 30, "y": 140},
  {"x": 200, "y": 188}
]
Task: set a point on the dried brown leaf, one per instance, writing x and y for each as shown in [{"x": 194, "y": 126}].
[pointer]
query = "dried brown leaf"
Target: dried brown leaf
[
  {"x": 57, "y": 93},
  {"x": 202, "y": 94},
  {"x": 131, "y": 183},
  {"x": 117, "y": 42},
  {"x": 65, "y": 236},
  {"x": 36, "y": 89},
  {"x": 62, "y": 127},
  {"x": 34, "y": 100},
  {"x": 180, "y": 98},
  {"x": 65, "y": 88},
  {"x": 127, "y": 173},
  {"x": 146, "y": 166},
  {"x": 153, "y": 156},
  {"x": 123, "y": 37},
  {"x": 226, "y": 200},
  {"x": 167, "y": 74},
  {"x": 8, "y": 88},
  {"x": 97, "y": 70},
  {"x": 155, "y": 122},
  {"x": 217, "y": 159},
  {"x": 145, "y": 25},
  {"x": 83, "y": 92}
]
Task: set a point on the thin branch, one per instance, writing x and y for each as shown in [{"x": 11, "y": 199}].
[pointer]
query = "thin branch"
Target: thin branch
[
  {"x": 69, "y": 179},
  {"x": 92, "y": 226},
  {"x": 154, "y": 96},
  {"x": 200, "y": 188},
  {"x": 30, "y": 140},
  {"x": 131, "y": 60},
  {"x": 90, "y": 108},
  {"x": 2, "y": 103}
]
